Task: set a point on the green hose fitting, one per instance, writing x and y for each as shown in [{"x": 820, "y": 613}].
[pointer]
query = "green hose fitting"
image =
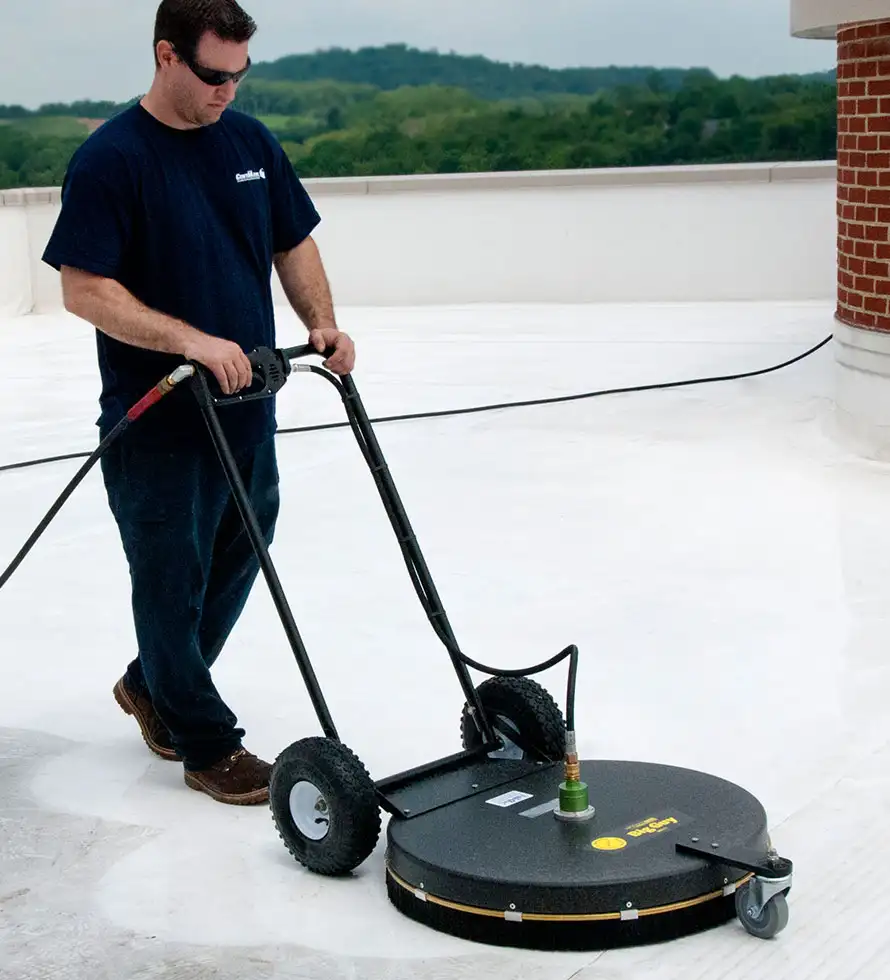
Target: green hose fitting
[{"x": 574, "y": 795}]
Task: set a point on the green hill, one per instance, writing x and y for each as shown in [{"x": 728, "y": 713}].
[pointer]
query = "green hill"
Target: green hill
[{"x": 397, "y": 65}]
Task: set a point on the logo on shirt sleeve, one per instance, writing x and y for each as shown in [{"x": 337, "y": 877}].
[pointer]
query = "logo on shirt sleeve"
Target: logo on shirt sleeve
[{"x": 251, "y": 175}]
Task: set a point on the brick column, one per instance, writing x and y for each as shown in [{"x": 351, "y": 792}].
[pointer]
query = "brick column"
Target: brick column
[{"x": 863, "y": 74}]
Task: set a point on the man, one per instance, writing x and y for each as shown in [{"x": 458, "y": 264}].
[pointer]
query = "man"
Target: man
[{"x": 174, "y": 214}]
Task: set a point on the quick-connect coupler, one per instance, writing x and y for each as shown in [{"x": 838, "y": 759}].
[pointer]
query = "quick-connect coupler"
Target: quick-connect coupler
[{"x": 574, "y": 795}]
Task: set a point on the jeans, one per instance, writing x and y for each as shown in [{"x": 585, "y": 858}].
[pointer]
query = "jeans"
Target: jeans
[{"x": 192, "y": 567}]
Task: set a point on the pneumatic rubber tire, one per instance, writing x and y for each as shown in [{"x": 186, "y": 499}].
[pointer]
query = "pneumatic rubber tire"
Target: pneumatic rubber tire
[
  {"x": 324, "y": 805},
  {"x": 524, "y": 714}
]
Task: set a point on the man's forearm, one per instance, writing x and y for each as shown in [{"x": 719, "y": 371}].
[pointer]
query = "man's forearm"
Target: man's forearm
[
  {"x": 112, "y": 309},
  {"x": 306, "y": 286}
]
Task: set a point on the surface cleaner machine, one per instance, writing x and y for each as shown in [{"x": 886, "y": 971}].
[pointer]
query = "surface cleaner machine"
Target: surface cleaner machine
[{"x": 511, "y": 840}]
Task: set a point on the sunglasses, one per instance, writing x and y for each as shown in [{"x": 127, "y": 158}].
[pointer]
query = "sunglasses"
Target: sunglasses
[{"x": 210, "y": 76}]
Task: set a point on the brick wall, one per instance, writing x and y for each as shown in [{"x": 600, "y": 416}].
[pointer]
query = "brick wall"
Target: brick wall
[{"x": 863, "y": 73}]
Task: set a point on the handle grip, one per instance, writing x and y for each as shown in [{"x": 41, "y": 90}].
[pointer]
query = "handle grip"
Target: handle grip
[{"x": 304, "y": 350}]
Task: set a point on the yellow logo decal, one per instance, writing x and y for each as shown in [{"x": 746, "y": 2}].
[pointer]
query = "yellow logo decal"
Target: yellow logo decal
[
  {"x": 639, "y": 832},
  {"x": 652, "y": 826}
]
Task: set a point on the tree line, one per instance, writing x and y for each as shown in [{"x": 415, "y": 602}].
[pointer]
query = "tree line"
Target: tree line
[{"x": 382, "y": 115}]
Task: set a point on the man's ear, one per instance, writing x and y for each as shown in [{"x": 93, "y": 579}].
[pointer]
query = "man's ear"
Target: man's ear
[{"x": 165, "y": 54}]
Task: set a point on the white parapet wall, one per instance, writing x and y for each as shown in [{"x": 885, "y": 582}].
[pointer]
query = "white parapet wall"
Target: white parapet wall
[
  {"x": 15, "y": 264},
  {"x": 672, "y": 234}
]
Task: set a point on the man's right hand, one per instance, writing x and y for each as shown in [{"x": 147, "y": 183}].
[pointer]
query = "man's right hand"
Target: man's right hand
[{"x": 226, "y": 360}]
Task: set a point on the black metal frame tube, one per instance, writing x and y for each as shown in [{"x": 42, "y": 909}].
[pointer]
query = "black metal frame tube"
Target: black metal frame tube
[
  {"x": 407, "y": 539},
  {"x": 205, "y": 400},
  {"x": 395, "y": 510}
]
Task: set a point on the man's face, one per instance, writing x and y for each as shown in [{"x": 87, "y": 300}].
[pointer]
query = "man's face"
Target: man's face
[{"x": 197, "y": 97}]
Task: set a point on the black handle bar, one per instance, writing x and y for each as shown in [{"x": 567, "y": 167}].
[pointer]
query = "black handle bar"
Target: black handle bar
[{"x": 304, "y": 350}]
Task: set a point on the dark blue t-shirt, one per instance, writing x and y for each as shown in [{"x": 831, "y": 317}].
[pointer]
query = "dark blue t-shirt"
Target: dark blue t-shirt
[{"x": 189, "y": 222}]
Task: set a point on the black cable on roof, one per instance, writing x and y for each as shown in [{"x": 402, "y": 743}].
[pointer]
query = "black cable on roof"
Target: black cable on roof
[{"x": 660, "y": 386}]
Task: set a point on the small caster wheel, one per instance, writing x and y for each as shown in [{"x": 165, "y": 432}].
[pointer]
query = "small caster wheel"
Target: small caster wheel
[
  {"x": 772, "y": 919},
  {"x": 324, "y": 804}
]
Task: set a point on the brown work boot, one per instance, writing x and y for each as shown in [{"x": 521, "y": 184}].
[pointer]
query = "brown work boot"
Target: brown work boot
[
  {"x": 240, "y": 778},
  {"x": 154, "y": 731}
]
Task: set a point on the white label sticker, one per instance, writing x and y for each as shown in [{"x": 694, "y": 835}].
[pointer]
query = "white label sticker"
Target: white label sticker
[{"x": 510, "y": 799}]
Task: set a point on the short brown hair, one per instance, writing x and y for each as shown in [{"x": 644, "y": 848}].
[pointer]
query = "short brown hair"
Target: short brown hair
[{"x": 184, "y": 22}]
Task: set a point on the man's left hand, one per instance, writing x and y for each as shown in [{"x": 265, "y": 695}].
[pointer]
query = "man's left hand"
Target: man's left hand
[{"x": 343, "y": 360}]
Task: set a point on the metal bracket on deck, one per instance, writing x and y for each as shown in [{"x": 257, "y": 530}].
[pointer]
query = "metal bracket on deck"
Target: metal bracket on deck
[{"x": 772, "y": 873}]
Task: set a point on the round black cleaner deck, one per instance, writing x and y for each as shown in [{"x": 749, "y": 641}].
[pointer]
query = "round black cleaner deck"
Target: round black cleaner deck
[{"x": 500, "y": 868}]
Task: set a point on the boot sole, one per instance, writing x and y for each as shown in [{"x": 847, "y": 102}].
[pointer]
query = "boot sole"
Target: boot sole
[
  {"x": 239, "y": 799},
  {"x": 129, "y": 708}
]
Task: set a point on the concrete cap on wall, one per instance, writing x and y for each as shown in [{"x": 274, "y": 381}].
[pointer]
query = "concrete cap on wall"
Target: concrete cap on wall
[
  {"x": 820, "y": 19},
  {"x": 606, "y": 177}
]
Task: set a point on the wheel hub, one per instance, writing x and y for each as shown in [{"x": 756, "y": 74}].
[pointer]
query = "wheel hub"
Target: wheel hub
[
  {"x": 510, "y": 750},
  {"x": 309, "y": 810}
]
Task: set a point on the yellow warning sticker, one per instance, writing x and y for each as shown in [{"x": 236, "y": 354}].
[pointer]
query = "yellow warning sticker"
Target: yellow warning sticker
[{"x": 609, "y": 844}]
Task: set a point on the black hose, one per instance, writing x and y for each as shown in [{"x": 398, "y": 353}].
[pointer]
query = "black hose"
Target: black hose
[
  {"x": 66, "y": 493},
  {"x": 445, "y": 413},
  {"x": 151, "y": 397}
]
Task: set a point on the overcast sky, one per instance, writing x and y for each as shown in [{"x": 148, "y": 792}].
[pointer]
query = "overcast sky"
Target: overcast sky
[{"x": 62, "y": 50}]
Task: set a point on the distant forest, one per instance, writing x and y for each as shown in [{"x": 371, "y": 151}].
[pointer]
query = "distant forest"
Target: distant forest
[{"x": 398, "y": 110}]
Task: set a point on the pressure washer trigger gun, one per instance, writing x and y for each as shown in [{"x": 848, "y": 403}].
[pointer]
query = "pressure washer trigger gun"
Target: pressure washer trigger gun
[{"x": 270, "y": 371}]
